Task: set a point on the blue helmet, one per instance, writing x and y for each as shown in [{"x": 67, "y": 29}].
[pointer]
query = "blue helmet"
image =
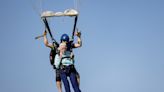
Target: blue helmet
[{"x": 64, "y": 37}]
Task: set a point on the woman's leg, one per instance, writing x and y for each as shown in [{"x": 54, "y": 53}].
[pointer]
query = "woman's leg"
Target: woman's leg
[
  {"x": 74, "y": 82},
  {"x": 65, "y": 81},
  {"x": 78, "y": 77}
]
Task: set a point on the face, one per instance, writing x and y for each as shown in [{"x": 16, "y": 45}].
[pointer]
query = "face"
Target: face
[{"x": 63, "y": 47}]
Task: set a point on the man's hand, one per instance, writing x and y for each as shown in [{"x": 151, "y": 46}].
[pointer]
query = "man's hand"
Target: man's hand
[
  {"x": 45, "y": 33},
  {"x": 78, "y": 34}
]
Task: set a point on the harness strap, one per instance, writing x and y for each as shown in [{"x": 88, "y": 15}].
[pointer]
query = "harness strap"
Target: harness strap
[{"x": 62, "y": 59}]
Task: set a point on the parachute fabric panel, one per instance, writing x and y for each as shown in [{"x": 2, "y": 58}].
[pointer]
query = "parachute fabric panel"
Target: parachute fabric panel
[{"x": 70, "y": 12}]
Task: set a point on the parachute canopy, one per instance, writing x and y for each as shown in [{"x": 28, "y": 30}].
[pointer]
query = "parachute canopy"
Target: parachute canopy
[
  {"x": 67, "y": 12},
  {"x": 55, "y": 8}
]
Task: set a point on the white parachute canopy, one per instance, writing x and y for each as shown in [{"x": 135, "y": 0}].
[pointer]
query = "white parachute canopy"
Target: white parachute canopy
[
  {"x": 67, "y": 12},
  {"x": 56, "y": 8},
  {"x": 55, "y": 11}
]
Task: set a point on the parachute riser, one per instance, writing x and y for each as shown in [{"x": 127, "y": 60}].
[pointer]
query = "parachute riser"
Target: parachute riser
[
  {"x": 74, "y": 28},
  {"x": 48, "y": 29}
]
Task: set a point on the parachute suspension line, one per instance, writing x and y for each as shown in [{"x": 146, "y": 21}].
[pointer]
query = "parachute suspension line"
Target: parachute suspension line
[
  {"x": 76, "y": 5},
  {"x": 37, "y": 6},
  {"x": 34, "y": 8},
  {"x": 41, "y": 5}
]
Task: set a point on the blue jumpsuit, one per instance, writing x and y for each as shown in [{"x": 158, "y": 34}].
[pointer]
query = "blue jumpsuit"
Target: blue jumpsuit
[{"x": 67, "y": 69}]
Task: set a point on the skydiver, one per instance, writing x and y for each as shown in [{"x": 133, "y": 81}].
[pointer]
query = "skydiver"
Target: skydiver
[
  {"x": 55, "y": 46},
  {"x": 64, "y": 61}
]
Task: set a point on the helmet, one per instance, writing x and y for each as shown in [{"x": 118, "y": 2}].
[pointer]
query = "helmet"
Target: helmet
[{"x": 64, "y": 37}]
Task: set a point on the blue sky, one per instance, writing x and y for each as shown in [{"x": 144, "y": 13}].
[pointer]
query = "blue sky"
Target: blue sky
[{"x": 123, "y": 46}]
